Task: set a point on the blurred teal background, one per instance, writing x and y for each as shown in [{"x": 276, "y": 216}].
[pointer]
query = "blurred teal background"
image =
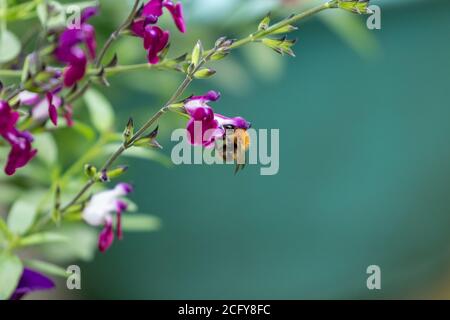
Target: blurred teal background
[{"x": 364, "y": 169}]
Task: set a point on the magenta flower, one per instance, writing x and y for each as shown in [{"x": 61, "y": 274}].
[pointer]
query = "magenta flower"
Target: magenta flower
[
  {"x": 155, "y": 8},
  {"x": 155, "y": 38},
  {"x": 99, "y": 212},
  {"x": 43, "y": 108},
  {"x": 21, "y": 149},
  {"x": 205, "y": 126},
  {"x": 70, "y": 52},
  {"x": 31, "y": 281},
  {"x": 8, "y": 118}
]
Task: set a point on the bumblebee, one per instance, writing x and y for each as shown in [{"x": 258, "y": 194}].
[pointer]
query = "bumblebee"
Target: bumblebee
[{"x": 233, "y": 146}]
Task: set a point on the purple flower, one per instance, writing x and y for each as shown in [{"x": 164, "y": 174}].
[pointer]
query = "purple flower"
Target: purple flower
[
  {"x": 99, "y": 212},
  {"x": 155, "y": 38},
  {"x": 155, "y": 8},
  {"x": 21, "y": 149},
  {"x": 42, "y": 108},
  {"x": 31, "y": 281},
  {"x": 8, "y": 118},
  {"x": 69, "y": 51},
  {"x": 205, "y": 126}
]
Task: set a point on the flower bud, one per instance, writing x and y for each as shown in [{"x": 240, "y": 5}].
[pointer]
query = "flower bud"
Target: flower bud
[
  {"x": 90, "y": 170},
  {"x": 117, "y": 172},
  {"x": 197, "y": 53},
  {"x": 355, "y": 6},
  {"x": 264, "y": 24},
  {"x": 103, "y": 176},
  {"x": 219, "y": 55},
  {"x": 129, "y": 131},
  {"x": 204, "y": 73},
  {"x": 281, "y": 46},
  {"x": 148, "y": 140},
  {"x": 220, "y": 42}
]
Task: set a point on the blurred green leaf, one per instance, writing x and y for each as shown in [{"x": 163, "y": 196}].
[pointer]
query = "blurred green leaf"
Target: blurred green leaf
[
  {"x": 82, "y": 244},
  {"x": 85, "y": 130},
  {"x": 266, "y": 64},
  {"x": 352, "y": 29},
  {"x": 19, "y": 11},
  {"x": 10, "y": 273},
  {"x": 23, "y": 212},
  {"x": 136, "y": 222},
  {"x": 9, "y": 193},
  {"x": 4, "y": 230},
  {"x": 101, "y": 111},
  {"x": 58, "y": 17},
  {"x": 42, "y": 13},
  {"x": 9, "y": 46},
  {"x": 47, "y": 268},
  {"x": 42, "y": 238},
  {"x": 48, "y": 151},
  {"x": 82, "y": 4}
]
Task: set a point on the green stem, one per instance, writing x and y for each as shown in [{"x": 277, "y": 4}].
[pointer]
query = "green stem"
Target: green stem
[
  {"x": 115, "y": 35},
  {"x": 251, "y": 38},
  {"x": 183, "y": 86},
  {"x": 295, "y": 18}
]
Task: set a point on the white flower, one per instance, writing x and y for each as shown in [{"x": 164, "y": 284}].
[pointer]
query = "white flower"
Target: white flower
[{"x": 100, "y": 210}]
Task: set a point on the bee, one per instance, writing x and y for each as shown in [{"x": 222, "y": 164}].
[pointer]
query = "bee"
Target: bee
[{"x": 233, "y": 146}]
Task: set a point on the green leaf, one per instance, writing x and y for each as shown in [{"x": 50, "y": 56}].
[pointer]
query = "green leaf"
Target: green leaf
[
  {"x": 9, "y": 46},
  {"x": 136, "y": 222},
  {"x": 82, "y": 244},
  {"x": 10, "y": 272},
  {"x": 23, "y": 212},
  {"x": 48, "y": 151},
  {"x": 85, "y": 130},
  {"x": 47, "y": 267},
  {"x": 141, "y": 153},
  {"x": 9, "y": 193},
  {"x": 42, "y": 238},
  {"x": 42, "y": 13},
  {"x": 57, "y": 18},
  {"x": 82, "y": 5},
  {"x": 101, "y": 111},
  {"x": 4, "y": 230}
]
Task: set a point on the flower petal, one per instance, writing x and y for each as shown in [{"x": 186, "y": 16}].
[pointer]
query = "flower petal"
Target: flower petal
[
  {"x": 106, "y": 237},
  {"x": 176, "y": 10},
  {"x": 31, "y": 281},
  {"x": 154, "y": 8}
]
